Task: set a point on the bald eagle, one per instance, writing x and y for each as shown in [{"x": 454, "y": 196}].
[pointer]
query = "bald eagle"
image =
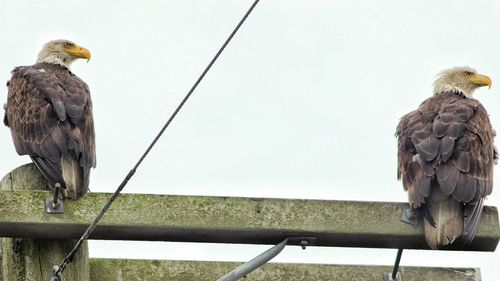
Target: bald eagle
[
  {"x": 49, "y": 112},
  {"x": 446, "y": 156}
]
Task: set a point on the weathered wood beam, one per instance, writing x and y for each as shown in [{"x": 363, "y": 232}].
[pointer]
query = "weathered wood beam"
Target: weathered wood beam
[
  {"x": 110, "y": 269},
  {"x": 226, "y": 220}
]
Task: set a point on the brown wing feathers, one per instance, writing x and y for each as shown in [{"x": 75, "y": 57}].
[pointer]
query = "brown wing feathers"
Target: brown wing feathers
[
  {"x": 30, "y": 117},
  {"x": 49, "y": 112},
  {"x": 447, "y": 144}
]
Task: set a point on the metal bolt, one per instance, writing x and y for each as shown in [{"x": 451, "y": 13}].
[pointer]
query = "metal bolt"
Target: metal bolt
[
  {"x": 304, "y": 244},
  {"x": 55, "y": 201}
]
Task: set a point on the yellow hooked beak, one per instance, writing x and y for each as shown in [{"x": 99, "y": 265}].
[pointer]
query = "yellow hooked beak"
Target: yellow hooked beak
[
  {"x": 480, "y": 80},
  {"x": 79, "y": 52}
]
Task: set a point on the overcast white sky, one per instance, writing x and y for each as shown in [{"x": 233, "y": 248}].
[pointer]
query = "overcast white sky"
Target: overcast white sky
[{"x": 302, "y": 104}]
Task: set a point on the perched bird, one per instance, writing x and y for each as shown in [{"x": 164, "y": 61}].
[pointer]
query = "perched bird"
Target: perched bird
[
  {"x": 49, "y": 112},
  {"x": 446, "y": 157}
]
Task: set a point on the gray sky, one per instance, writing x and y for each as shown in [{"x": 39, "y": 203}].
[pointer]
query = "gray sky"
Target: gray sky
[{"x": 302, "y": 104}]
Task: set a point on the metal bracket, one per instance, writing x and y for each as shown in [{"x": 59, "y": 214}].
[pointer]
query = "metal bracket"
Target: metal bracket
[
  {"x": 54, "y": 205},
  {"x": 53, "y": 208},
  {"x": 302, "y": 241},
  {"x": 410, "y": 216},
  {"x": 242, "y": 270}
]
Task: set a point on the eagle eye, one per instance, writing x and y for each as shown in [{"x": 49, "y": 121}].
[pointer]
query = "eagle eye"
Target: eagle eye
[
  {"x": 467, "y": 73},
  {"x": 67, "y": 44}
]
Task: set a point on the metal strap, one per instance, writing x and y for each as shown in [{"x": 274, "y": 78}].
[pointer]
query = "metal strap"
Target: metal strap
[{"x": 254, "y": 263}]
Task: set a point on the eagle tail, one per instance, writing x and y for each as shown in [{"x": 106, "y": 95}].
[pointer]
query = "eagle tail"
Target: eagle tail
[
  {"x": 472, "y": 214},
  {"x": 76, "y": 179},
  {"x": 448, "y": 215},
  {"x": 73, "y": 178},
  {"x": 86, "y": 178}
]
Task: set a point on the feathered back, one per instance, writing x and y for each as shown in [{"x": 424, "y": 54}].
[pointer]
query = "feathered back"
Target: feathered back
[
  {"x": 447, "y": 144},
  {"x": 49, "y": 112}
]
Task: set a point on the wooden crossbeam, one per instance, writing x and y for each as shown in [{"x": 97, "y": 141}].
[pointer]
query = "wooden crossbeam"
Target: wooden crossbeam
[
  {"x": 109, "y": 269},
  {"x": 226, "y": 220}
]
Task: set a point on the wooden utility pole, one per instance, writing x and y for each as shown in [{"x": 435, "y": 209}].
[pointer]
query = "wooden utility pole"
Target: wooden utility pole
[{"x": 26, "y": 259}]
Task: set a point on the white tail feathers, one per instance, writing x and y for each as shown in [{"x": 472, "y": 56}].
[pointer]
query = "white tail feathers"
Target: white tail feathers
[
  {"x": 72, "y": 175},
  {"x": 449, "y": 217}
]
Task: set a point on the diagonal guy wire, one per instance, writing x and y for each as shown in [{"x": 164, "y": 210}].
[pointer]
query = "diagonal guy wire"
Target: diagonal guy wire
[{"x": 86, "y": 234}]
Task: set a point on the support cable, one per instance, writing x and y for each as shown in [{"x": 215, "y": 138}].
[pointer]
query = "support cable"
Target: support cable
[
  {"x": 58, "y": 270},
  {"x": 396, "y": 263}
]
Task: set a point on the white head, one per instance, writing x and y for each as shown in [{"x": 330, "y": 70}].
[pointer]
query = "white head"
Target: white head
[
  {"x": 62, "y": 52},
  {"x": 462, "y": 79}
]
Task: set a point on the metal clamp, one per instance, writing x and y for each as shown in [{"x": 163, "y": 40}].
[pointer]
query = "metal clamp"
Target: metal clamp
[
  {"x": 54, "y": 205},
  {"x": 56, "y": 274}
]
